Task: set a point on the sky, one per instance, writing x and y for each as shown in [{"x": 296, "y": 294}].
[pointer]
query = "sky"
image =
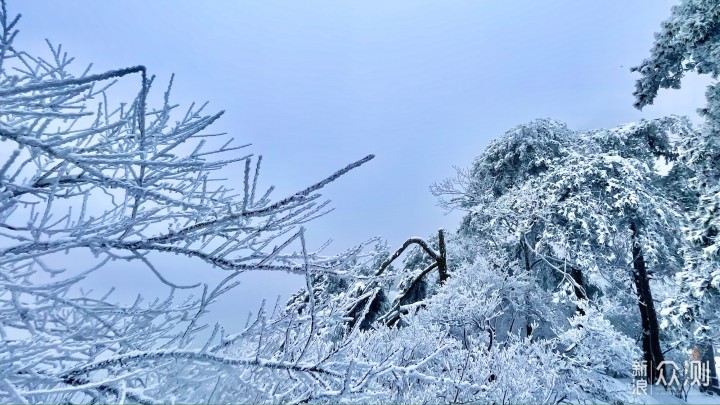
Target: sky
[{"x": 423, "y": 85}]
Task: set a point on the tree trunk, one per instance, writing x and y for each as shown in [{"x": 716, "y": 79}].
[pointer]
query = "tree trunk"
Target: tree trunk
[
  {"x": 528, "y": 268},
  {"x": 578, "y": 287},
  {"x": 652, "y": 352},
  {"x": 442, "y": 260}
]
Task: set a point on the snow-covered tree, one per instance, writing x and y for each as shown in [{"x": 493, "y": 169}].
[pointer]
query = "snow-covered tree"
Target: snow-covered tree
[
  {"x": 690, "y": 41},
  {"x": 101, "y": 182},
  {"x": 585, "y": 212}
]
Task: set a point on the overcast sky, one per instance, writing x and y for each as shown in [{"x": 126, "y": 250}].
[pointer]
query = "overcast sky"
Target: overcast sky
[{"x": 314, "y": 85}]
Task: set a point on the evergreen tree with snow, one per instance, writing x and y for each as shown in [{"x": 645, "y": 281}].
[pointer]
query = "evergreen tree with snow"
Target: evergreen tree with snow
[
  {"x": 689, "y": 41},
  {"x": 588, "y": 212}
]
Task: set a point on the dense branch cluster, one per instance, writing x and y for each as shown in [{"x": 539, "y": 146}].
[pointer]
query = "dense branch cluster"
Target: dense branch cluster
[{"x": 106, "y": 182}]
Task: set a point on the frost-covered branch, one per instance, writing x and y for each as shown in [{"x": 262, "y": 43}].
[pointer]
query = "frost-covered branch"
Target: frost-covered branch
[{"x": 86, "y": 180}]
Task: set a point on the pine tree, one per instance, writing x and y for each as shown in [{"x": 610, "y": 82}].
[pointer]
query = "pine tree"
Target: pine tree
[
  {"x": 690, "y": 41},
  {"x": 579, "y": 210}
]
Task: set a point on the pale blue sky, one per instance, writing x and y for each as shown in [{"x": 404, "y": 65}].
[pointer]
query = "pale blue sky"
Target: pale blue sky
[{"x": 424, "y": 85}]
